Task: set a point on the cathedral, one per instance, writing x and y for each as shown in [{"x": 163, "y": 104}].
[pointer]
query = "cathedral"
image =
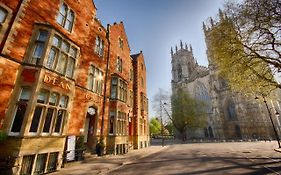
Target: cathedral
[{"x": 230, "y": 115}]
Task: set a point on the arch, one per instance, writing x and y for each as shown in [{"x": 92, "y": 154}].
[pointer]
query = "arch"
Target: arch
[
  {"x": 179, "y": 70},
  {"x": 90, "y": 125},
  {"x": 211, "y": 132},
  {"x": 202, "y": 94},
  {"x": 231, "y": 111}
]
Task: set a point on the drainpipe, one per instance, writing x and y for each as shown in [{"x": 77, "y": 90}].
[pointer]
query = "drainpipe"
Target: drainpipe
[
  {"x": 106, "y": 78},
  {"x": 13, "y": 19}
]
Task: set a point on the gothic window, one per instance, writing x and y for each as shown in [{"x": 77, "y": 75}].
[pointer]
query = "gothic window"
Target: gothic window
[
  {"x": 179, "y": 69},
  {"x": 231, "y": 111},
  {"x": 65, "y": 17},
  {"x": 201, "y": 93}
]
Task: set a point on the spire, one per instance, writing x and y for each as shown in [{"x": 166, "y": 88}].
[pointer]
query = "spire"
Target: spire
[
  {"x": 176, "y": 48},
  {"x": 181, "y": 44},
  {"x": 185, "y": 46},
  {"x": 221, "y": 14},
  {"x": 172, "y": 52},
  {"x": 190, "y": 47},
  {"x": 204, "y": 27},
  {"x": 212, "y": 21}
]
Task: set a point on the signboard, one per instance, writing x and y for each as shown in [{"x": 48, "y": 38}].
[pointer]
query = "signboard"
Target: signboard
[{"x": 70, "y": 156}]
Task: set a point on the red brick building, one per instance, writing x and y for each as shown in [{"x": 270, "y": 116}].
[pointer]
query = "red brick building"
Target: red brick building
[{"x": 65, "y": 79}]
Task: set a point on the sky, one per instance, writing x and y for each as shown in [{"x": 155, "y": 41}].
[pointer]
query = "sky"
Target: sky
[{"x": 154, "y": 26}]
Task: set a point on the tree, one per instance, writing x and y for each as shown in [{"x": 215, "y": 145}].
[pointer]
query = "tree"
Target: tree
[
  {"x": 154, "y": 126},
  {"x": 245, "y": 45},
  {"x": 170, "y": 127},
  {"x": 187, "y": 113}
]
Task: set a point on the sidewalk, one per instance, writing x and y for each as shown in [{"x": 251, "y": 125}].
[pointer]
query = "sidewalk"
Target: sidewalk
[{"x": 105, "y": 164}]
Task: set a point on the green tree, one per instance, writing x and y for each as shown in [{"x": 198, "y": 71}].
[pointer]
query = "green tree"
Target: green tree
[
  {"x": 154, "y": 127},
  {"x": 187, "y": 113},
  {"x": 245, "y": 45},
  {"x": 170, "y": 127}
]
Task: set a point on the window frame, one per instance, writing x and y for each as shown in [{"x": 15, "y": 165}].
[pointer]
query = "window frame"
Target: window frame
[
  {"x": 121, "y": 89},
  {"x": 4, "y": 25},
  {"x": 73, "y": 52},
  {"x": 65, "y": 18},
  {"x": 99, "y": 46},
  {"x": 46, "y": 105},
  {"x": 95, "y": 80},
  {"x": 15, "y": 108}
]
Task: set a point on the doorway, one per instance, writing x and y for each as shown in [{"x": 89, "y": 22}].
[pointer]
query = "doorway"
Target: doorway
[{"x": 90, "y": 125}]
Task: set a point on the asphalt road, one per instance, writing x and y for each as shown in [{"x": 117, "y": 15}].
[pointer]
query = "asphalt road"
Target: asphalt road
[{"x": 208, "y": 158}]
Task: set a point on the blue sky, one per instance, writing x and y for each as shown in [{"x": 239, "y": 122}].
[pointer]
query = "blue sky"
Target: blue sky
[{"x": 153, "y": 26}]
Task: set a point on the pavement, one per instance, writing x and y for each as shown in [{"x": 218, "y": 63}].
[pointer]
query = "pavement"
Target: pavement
[{"x": 105, "y": 164}]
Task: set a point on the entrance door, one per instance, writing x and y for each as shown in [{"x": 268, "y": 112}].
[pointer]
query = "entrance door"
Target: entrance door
[{"x": 90, "y": 123}]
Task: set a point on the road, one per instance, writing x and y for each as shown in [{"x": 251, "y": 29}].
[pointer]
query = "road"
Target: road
[{"x": 208, "y": 158}]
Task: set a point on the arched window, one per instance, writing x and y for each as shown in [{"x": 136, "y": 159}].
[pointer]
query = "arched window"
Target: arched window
[
  {"x": 231, "y": 111},
  {"x": 179, "y": 69},
  {"x": 201, "y": 93}
]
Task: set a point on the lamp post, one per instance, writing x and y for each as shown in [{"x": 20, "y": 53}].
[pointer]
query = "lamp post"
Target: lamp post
[
  {"x": 269, "y": 113},
  {"x": 161, "y": 120}
]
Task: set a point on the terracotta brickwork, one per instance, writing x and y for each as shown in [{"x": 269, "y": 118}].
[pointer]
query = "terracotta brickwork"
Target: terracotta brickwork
[{"x": 42, "y": 105}]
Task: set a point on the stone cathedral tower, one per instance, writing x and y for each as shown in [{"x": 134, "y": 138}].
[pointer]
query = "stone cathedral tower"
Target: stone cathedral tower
[{"x": 230, "y": 115}]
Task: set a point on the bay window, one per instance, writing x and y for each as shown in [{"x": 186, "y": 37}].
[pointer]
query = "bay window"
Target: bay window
[
  {"x": 54, "y": 52},
  {"x": 118, "y": 89}
]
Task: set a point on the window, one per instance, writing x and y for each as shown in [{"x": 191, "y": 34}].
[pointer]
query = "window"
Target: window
[
  {"x": 49, "y": 113},
  {"x": 62, "y": 54},
  {"x": 121, "y": 124},
  {"x": 27, "y": 164},
  {"x": 142, "y": 82},
  {"x": 52, "y": 163},
  {"x": 40, "y": 163},
  {"x": 99, "y": 46},
  {"x": 231, "y": 111},
  {"x": 119, "y": 64},
  {"x": 39, "y": 47},
  {"x": 120, "y": 43},
  {"x": 95, "y": 81},
  {"x": 3, "y": 15},
  {"x": 118, "y": 89},
  {"x": 20, "y": 109},
  {"x": 62, "y": 57},
  {"x": 179, "y": 69},
  {"x": 111, "y": 122},
  {"x": 32, "y": 164},
  {"x": 65, "y": 17},
  {"x": 114, "y": 83}
]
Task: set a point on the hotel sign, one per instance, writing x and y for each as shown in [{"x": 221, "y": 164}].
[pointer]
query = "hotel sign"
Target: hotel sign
[{"x": 56, "y": 81}]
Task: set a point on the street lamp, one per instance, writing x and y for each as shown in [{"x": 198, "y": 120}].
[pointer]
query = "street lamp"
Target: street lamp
[{"x": 269, "y": 113}]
